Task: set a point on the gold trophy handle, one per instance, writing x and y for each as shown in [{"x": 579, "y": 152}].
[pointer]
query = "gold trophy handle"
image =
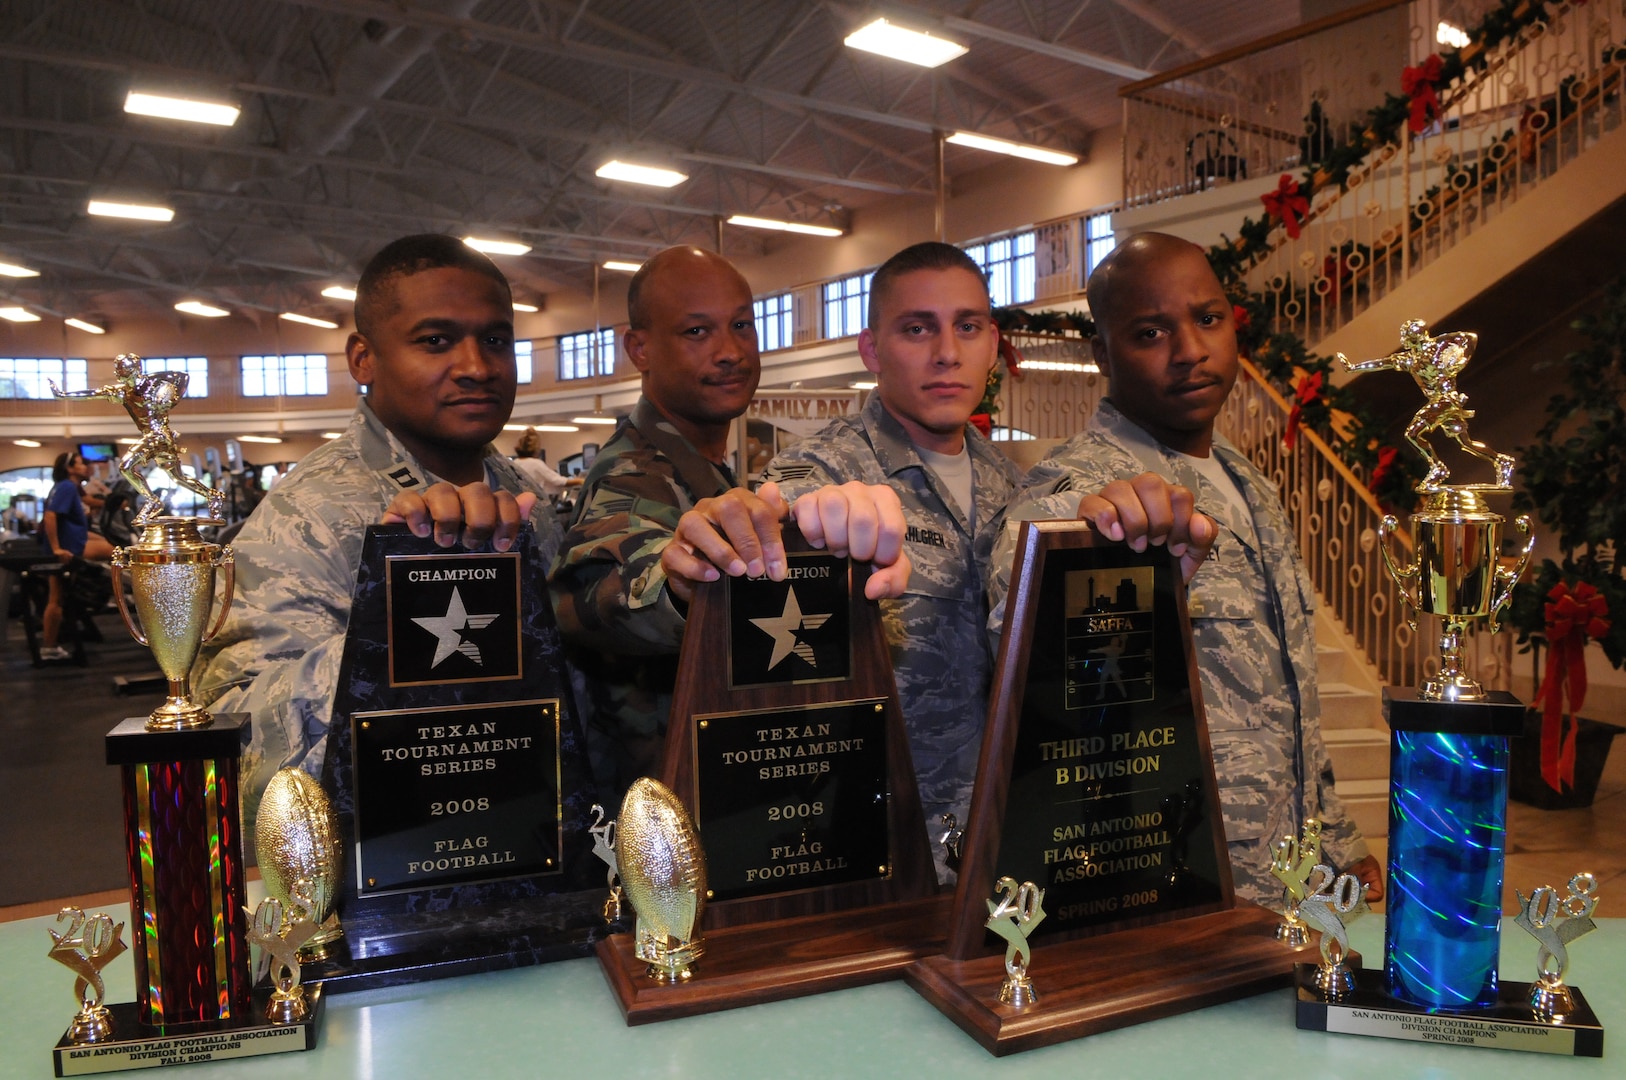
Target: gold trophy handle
[
  {"x": 118, "y": 596},
  {"x": 228, "y": 560},
  {"x": 1405, "y": 579},
  {"x": 1506, "y": 579}
]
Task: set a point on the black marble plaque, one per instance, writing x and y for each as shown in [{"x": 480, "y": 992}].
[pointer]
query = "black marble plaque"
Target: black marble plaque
[
  {"x": 453, "y": 618},
  {"x": 471, "y": 915},
  {"x": 446, "y": 796},
  {"x": 794, "y": 631},
  {"x": 1110, "y": 808},
  {"x": 792, "y": 798}
]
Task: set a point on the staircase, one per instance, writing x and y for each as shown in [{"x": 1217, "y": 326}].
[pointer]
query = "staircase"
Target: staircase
[{"x": 1352, "y": 725}]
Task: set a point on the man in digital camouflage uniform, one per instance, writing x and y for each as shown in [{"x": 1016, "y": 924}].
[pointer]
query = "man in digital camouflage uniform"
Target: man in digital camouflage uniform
[
  {"x": 434, "y": 344},
  {"x": 931, "y": 343},
  {"x": 1166, "y": 337},
  {"x": 661, "y": 511}
]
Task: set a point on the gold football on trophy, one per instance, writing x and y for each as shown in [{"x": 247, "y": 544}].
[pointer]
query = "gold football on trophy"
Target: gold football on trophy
[
  {"x": 663, "y": 874},
  {"x": 296, "y": 837}
]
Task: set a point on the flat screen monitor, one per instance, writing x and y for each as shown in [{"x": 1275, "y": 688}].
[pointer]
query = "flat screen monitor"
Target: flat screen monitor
[{"x": 98, "y": 451}]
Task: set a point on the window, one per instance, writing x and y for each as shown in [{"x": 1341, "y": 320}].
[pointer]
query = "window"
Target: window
[
  {"x": 285, "y": 376},
  {"x": 846, "y": 305},
  {"x": 583, "y": 355},
  {"x": 522, "y": 360},
  {"x": 1098, "y": 241},
  {"x": 1010, "y": 267},
  {"x": 31, "y": 378},
  {"x": 774, "y": 323},
  {"x": 195, "y": 367}
]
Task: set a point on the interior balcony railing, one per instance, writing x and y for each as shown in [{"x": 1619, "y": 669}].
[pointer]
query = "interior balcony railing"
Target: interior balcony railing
[{"x": 1541, "y": 98}]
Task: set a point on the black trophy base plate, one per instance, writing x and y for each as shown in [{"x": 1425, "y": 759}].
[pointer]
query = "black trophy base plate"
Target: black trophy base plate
[
  {"x": 754, "y": 963},
  {"x": 395, "y": 948},
  {"x": 1508, "y": 1025},
  {"x": 134, "y": 1045},
  {"x": 1499, "y": 714},
  {"x": 1112, "y": 981}
]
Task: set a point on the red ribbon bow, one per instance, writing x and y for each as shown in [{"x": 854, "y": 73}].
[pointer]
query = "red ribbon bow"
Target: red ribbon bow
[
  {"x": 1385, "y": 465},
  {"x": 1287, "y": 205},
  {"x": 1308, "y": 391},
  {"x": 1573, "y": 615},
  {"x": 1011, "y": 355},
  {"x": 1418, "y": 83}
]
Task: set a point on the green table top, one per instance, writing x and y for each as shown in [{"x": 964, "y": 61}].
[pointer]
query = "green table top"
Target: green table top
[{"x": 561, "y": 1019}]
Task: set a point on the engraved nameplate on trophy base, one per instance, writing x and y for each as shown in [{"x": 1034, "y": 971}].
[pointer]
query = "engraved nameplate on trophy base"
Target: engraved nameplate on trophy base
[
  {"x": 457, "y": 770},
  {"x": 1096, "y": 784},
  {"x": 793, "y": 760}
]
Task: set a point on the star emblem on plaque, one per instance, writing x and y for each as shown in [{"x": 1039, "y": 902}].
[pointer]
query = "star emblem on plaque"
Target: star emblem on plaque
[
  {"x": 453, "y": 618},
  {"x": 791, "y": 631}
]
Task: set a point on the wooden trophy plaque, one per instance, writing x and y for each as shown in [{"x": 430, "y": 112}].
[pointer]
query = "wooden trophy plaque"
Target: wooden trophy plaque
[
  {"x": 787, "y": 746},
  {"x": 1096, "y": 785}
]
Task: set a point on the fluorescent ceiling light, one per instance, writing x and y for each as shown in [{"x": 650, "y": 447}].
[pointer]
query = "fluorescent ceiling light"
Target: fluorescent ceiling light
[
  {"x": 332, "y": 434},
  {"x": 860, "y": 386},
  {"x": 134, "y": 211},
  {"x": 589, "y": 420},
  {"x": 640, "y": 174},
  {"x": 1454, "y": 36},
  {"x": 339, "y": 292},
  {"x": 563, "y": 429},
  {"x": 529, "y": 309},
  {"x": 87, "y": 327},
  {"x": 783, "y": 226},
  {"x": 1002, "y": 146},
  {"x": 194, "y": 307},
  {"x": 258, "y": 438},
  {"x": 17, "y": 314},
  {"x": 325, "y": 324},
  {"x": 13, "y": 270},
  {"x": 900, "y": 43},
  {"x": 496, "y": 247},
  {"x": 128, "y": 442},
  {"x": 624, "y": 267},
  {"x": 174, "y": 108},
  {"x": 1087, "y": 367},
  {"x": 26, "y": 442}
]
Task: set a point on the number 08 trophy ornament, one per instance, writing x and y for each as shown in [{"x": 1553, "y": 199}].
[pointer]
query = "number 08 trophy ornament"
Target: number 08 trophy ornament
[
  {"x": 1448, "y": 777},
  {"x": 195, "y": 999}
]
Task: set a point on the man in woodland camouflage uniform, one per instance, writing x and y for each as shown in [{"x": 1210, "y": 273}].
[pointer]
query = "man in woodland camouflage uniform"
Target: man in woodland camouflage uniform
[
  {"x": 434, "y": 343},
  {"x": 660, "y": 510},
  {"x": 1166, "y": 337},
  {"x": 932, "y": 343}
]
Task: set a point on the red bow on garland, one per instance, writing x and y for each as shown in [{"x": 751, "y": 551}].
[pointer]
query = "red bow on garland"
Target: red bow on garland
[
  {"x": 1385, "y": 465},
  {"x": 1287, "y": 205},
  {"x": 1309, "y": 390},
  {"x": 1011, "y": 356},
  {"x": 1573, "y": 615},
  {"x": 1418, "y": 83}
]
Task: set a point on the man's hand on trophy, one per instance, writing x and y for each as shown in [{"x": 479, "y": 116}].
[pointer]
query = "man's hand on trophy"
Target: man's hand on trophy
[
  {"x": 863, "y": 521},
  {"x": 470, "y": 515},
  {"x": 1369, "y": 872},
  {"x": 1150, "y": 510}
]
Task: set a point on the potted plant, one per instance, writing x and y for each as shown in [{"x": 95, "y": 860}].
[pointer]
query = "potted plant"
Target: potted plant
[{"x": 1574, "y": 479}]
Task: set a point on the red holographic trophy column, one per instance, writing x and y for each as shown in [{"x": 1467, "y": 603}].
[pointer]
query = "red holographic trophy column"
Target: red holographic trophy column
[{"x": 183, "y": 841}]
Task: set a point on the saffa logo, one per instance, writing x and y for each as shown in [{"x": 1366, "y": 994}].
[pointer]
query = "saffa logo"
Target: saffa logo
[
  {"x": 785, "y": 629},
  {"x": 448, "y": 630}
]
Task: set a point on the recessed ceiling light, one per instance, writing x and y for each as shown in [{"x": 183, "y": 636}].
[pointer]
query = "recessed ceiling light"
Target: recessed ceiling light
[
  {"x": 194, "y": 307},
  {"x": 174, "y": 108},
  {"x": 325, "y": 324},
  {"x": 127, "y": 441},
  {"x": 87, "y": 327},
  {"x": 1021, "y": 150},
  {"x": 332, "y": 434},
  {"x": 563, "y": 429},
  {"x": 623, "y": 266},
  {"x": 604, "y": 421},
  {"x": 1087, "y": 367},
  {"x": 529, "y": 309},
  {"x": 17, "y": 314},
  {"x": 258, "y": 438},
  {"x": 13, "y": 270},
  {"x": 783, "y": 226},
  {"x": 640, "y": 174},
  {"x": 496, "y": 247},
  {"x": 861, "y": 386},
  {"x": 900, "y": 43},
  {"x": 31, "y": 443},
  {"x": 133, "y": 211},
  {"x": 339, "y": 292}
]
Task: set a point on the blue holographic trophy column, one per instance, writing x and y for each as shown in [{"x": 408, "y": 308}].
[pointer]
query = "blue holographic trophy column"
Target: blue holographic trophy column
[{"x": 1447, "y": 842}]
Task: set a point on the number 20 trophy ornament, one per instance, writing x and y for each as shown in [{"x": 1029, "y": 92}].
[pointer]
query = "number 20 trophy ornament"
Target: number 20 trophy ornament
[
  {"x": 180, "y": 777},
  {"x": 1448, "y": 763}
]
